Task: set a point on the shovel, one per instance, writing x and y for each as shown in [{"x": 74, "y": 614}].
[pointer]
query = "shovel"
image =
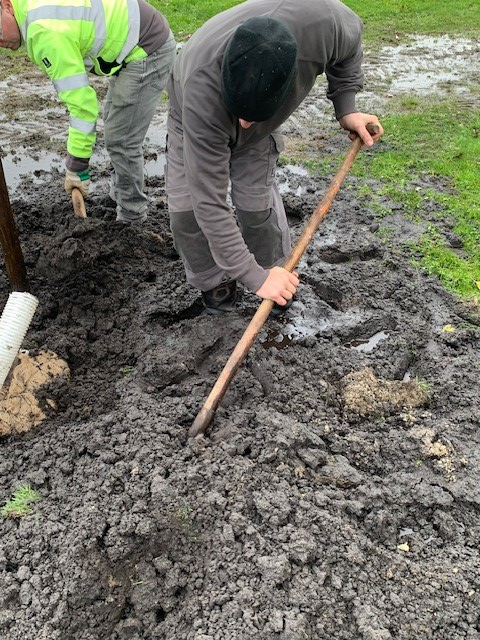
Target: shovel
[
  {"x": 206, "y": 414},
  {"x": 21, "y": 304},
  {"x": 78, "y": 203}
]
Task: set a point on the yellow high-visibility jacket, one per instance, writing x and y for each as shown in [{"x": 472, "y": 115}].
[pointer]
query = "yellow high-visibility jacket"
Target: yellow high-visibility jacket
[{"x": 68, "y": 39}]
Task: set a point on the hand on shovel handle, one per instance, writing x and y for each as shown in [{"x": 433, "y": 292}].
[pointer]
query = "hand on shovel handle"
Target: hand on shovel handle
[{"x": 78, "y": 203}]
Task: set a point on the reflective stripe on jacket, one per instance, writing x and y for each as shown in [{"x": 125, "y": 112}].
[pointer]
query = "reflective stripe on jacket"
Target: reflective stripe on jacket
[{"x": 68, "y": 38}]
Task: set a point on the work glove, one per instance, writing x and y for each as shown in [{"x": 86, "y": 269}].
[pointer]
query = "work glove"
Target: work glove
[{"x": 80, "y": 180}]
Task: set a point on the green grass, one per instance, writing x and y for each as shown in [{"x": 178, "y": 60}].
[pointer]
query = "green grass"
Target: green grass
[
  {"x": 186, "y": 16},
  {"x": 384, "y": 20},
  {"x": 20, "y": 504},
  {"x": 429, "y": 163}
]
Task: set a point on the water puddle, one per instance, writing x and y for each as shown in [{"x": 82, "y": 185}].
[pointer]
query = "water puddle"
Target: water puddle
[
  {"x": 367, "y": 345},
  {"x": 276, "y": 340},
  {"x": 37, "y": 162},
  {"x": 21, "y": 164},
  {"x": 156, "y": 166},
  {"x": 38, "y": 167},
  {"x": 288, "y": 177},
  {"x": 303, "y": 323},
  {"x": 24, "y": 87},
  {"x": 297, "y": 170},
  {"x": 306, "y": 325},
  {"x": 424, "y": 65}
]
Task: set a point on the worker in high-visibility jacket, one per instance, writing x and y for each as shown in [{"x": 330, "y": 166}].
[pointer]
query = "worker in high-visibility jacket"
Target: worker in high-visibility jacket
[{"x": 127, "y": 40}]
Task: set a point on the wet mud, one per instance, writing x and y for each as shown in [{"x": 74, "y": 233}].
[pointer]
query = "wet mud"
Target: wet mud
[{"x": 336, "y": 493}]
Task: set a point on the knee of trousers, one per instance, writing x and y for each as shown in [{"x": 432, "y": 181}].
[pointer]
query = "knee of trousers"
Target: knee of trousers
[
  {"x": 263, "y": 235},
  {"x": 179, "y": 199},
  {"x": 190, "y": 242}
]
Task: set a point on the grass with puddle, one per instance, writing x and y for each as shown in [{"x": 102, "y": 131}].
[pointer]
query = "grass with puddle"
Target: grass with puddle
[{"x": 429, "y": 143}]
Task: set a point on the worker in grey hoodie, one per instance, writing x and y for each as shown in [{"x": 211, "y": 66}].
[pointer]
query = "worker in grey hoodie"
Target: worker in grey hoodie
[{"x": 234, "y": 83}]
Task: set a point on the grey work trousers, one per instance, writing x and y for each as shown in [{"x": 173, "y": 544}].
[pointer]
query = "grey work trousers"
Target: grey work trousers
[
  {"x": 260, "y": 212},
  {"x": 130, "y": 105}
]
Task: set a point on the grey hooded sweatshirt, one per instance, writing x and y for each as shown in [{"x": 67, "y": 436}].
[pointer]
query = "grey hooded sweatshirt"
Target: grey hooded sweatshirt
[{"x": 328, "y": 36}]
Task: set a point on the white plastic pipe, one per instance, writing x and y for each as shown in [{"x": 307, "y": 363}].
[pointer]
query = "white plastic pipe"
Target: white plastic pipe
[{"x": 14, "y": 323}]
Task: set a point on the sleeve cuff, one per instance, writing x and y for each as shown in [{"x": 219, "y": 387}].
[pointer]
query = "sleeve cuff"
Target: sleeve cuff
[
  {"x": 76, "y": 164},
  {"x": 344, "y": 104},
  {"x": 254, "y": 277}
]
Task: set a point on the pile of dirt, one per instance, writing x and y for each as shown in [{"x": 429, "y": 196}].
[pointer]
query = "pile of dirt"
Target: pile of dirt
[
  {"x": 20, "y": 408},
  {"x": 336, "y": 494}
]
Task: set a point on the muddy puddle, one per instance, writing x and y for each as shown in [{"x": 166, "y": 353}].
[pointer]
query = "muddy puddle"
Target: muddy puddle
[
  {"x": 426, "y": 65},
  {"x": 336, "y": 494}
]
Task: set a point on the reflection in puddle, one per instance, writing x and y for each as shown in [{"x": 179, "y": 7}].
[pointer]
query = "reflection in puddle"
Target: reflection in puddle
[
  {"x": 276, "y": 340},
  {"x": 285, "y": 184},
  {"x": 155, "y": 166},
  {"x": 303, "y": 323},
  {"x": 18, "y": 166},
  {"x": 297, "y": 170},
  {"x": 367, "y": 345},
  {"x": 304, "y": 326},
  {"x": 426, "y": 64},
  {"x": 21, "y": 164},
  {"x": 21, "y": 161}
]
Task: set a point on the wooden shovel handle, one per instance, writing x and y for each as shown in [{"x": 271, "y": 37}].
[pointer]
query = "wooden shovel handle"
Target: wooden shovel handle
[
  {"x": 12, "y": 251},
  {"x": 78, "y": 203},
  {"x": 206, "y": 414}
]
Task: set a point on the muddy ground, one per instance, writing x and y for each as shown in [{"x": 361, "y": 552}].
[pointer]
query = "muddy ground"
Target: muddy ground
[{"x": 336, "y": 494}]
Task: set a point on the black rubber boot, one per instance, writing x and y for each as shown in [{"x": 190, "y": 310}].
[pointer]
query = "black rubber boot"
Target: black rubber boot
[
  {"x": 221, "y": 299},
  {"x": 278, "y": 309}
]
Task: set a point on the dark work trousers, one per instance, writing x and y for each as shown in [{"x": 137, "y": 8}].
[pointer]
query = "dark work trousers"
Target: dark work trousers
[{"x": 255, "y": 196}]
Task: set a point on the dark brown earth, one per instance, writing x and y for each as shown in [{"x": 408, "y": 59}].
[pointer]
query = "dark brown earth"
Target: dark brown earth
[{"x": 336, "y": 494}]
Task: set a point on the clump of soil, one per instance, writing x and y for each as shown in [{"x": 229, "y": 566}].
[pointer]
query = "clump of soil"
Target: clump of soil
[
  {"x": 365, "y": 394},
  {"x": 306, "y": 511},
  {"x": 20, "y": 406}
]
